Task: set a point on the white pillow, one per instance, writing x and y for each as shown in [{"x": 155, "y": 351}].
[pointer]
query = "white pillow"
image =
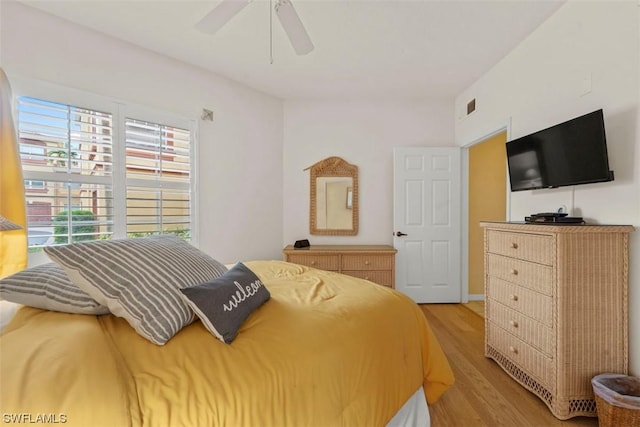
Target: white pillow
[{"x": 140, "y": 279}]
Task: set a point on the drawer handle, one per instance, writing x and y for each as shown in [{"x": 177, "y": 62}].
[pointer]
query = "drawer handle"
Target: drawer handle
[
  {"x": 367, "y": 263},
  {"x": 313, "y": 263},
  {"x": 514, "y": 271},
  {"x": 514, "y": 297},
  {"x": 513, "y": 323},
  {"x": 513, "y": 350},
  {"x": 514, "y": 245},
  {"x": 366, "y": 278}
]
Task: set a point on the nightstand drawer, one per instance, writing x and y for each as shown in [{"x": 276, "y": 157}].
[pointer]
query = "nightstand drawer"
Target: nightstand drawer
[
  {"x": 323, "y": 262},
  {"x": 529, "y": 247},
  {"x": 367, "y": 262},
  {"x": 523, "y": 327},
  {"x": 371, "y": 262},
  {"x": 523, "y": 355},
  {"x": 528, "y": 274},
  {"x": 384, "y": 278},
  {"x": 522, "y": 300}
]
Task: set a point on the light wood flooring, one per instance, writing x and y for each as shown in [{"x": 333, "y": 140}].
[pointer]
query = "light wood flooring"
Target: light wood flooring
[
  {"x": 476, "y": 306},
  {"x": 483, "y": 394}
]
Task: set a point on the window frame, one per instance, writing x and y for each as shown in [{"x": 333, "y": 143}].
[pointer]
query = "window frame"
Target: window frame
[
  {"x": 120, "y": 110},
  {"x": 144, "y": 114}
]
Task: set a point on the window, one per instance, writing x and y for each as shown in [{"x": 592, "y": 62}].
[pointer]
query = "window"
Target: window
[
  {"x": 33, "y": 152},
  {"x": 158, "y": 178},
  {"x": 71, "y": 168},
  {"x": 66, "y": 152},
  {"x": 31, "y": 184}
]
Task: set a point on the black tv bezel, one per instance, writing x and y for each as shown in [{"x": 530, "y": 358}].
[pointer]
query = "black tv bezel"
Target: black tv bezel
[{"x": 610, "y": 175}]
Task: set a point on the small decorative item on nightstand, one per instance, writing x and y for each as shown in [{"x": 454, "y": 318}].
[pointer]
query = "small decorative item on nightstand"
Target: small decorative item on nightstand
[{"x": 300, "y": 244}]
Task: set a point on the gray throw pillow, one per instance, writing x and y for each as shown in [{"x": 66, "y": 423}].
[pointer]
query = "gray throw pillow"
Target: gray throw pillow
[
  {"x": 139, "y": 279},
  {"x": 224, "y": 303},
  {"x": 47, "y": 287}
]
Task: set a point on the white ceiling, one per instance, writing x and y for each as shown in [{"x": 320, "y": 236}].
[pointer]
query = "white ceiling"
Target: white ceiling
[{"x": 363, "y": 48}]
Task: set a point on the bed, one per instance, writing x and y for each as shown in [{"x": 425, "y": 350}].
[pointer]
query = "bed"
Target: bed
[{"x": 323, "y": 349}]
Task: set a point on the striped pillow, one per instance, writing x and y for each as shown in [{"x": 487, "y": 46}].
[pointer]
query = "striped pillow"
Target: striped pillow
[
  {"x": 140, "y": 279},
  {"x": 48, "y": 287}
]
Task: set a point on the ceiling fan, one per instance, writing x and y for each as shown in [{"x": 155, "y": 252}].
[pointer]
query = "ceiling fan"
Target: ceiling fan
[{"x": 289, "y": 19}]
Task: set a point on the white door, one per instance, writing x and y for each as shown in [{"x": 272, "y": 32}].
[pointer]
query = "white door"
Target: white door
[{"x": 427, "y": 223}]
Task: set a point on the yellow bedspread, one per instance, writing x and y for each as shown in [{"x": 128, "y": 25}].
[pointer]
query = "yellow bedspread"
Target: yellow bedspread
[{"x": 325, "y": 350}]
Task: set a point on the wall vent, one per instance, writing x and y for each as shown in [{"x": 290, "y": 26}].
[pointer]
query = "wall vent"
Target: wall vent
[{"x": 471, "y": 106}]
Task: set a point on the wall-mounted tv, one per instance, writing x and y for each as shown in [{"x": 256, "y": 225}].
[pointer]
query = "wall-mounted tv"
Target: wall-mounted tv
[{"x": 570, "y": 153}]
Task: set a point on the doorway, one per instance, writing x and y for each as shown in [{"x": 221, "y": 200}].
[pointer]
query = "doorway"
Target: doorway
[{"x": 487, "y": 201}]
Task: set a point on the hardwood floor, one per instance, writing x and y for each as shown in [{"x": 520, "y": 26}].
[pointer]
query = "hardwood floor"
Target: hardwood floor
[
  {"x": 475, "y": 306},
  {"x": 483, "y": 395}
]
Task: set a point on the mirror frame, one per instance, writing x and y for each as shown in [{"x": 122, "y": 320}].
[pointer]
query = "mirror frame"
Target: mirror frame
[{"x": 332, "y": 167}]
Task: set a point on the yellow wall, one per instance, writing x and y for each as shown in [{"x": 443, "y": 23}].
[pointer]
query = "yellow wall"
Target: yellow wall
[{"x": 487, "y": 199}]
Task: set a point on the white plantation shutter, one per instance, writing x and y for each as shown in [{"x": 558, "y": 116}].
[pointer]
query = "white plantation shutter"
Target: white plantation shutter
[
  {"x": 66, "y": 154},
  {"x": 73, "y": 158},
  {"x": 158, "y": 179},
  {"x": 63, "y": 138}
]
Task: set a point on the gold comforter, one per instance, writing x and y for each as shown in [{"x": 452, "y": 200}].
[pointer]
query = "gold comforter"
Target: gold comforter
[{"x": 325, "y": 350}]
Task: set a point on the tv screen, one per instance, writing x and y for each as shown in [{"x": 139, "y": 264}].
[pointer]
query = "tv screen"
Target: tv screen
[{"x": 570, "y": 153}]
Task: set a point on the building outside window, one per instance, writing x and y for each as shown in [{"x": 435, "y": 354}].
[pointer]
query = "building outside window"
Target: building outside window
[{"x": 70, "y": 172}]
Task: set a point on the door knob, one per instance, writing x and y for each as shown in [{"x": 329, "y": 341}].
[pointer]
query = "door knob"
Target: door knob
[{"x": 400, "y": 233}]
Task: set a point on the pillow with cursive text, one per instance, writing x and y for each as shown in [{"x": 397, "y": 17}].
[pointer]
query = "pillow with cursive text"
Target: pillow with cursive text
[{"x": 222, "y": 304}]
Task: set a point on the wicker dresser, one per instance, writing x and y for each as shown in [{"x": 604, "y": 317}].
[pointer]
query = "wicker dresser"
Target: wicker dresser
[
  {"x": 556, "y": 308},
  {"x": 370, "y": 262}
]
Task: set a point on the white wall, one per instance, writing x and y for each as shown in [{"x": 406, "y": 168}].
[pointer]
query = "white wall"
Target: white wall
[
  {"x": 542, "y": 82},
  {"x": 239, "y": 152},
  {"x": 362, "y": 133}
]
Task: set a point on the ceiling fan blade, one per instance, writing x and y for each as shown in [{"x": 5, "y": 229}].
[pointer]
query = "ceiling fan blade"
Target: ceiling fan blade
[
  {"x": 220, "y": 15},
  {"x": 293, "y": 26}
]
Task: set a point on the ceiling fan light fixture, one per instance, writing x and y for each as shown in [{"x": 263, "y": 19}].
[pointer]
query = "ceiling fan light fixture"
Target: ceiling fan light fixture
[
  {"x": 292, "y": 25},
  {"x": 220, "y": 15}
]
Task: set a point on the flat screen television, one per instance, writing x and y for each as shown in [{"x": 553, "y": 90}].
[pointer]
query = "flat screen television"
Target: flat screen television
[{"x": 569, "y": 153}]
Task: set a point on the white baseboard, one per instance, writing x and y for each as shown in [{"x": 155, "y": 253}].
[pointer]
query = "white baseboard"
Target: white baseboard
[{"x": 476, "y": 297}]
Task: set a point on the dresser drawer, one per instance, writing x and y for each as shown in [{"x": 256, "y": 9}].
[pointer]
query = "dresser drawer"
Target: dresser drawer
[
  {"x": 323, "y": 262},
  {"x": 366, "y": 262},
  {"x": 522, "y": 300},
  {"x": 384, "y": 278},
  {"x": 528, "y": 274},
  {"x": 523, "y": 327},
  {"x": 523, "y": 355},
  {"x": 529, "y": 247}
]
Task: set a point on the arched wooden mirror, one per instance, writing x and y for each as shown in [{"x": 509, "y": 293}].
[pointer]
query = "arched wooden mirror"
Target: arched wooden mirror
[{"x": 333, "y": 198}]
